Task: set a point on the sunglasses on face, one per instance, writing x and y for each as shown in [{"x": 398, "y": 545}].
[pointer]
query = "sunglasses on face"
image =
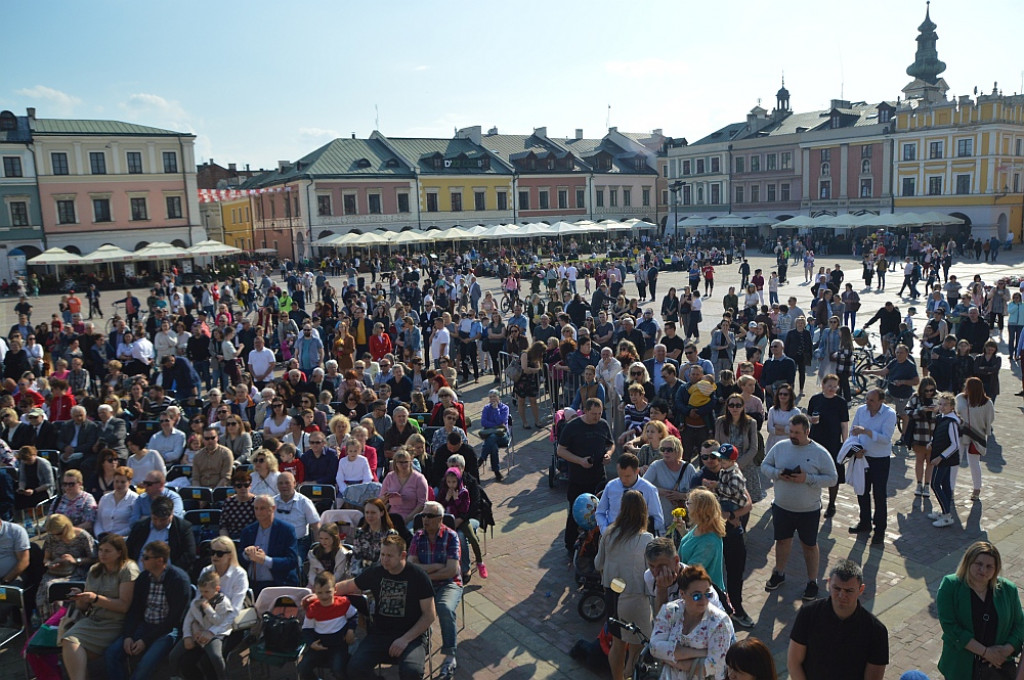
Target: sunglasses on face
[
  {"x": 209, "y": 438},
  {"x": 697, "y": 597},
  {"x": 219, "y": 553},
  {"x": 667, "y": 449}
]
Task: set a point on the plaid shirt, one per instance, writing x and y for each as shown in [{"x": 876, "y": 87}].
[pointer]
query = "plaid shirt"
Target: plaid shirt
[
  {"x": 78, "y": 381},
  {"x": 157, "y": 607},
  {"x": 446, "y": 547}
]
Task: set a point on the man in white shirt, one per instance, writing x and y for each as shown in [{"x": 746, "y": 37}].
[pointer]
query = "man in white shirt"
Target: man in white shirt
[
  {"x": 873, "y": 424},
  {"x": 261, "y": 363},
  {"x": 168, "y": 441},
  {"x": 439, "y": 341},
  {"x": 572, "y": 273},
  {"x": 296, "y": 510}
]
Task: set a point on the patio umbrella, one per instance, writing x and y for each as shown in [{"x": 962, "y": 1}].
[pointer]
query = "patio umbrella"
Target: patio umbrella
[
  {"x": 940, "y": 219},
  {"x": 535, "y": 229},
  {"x": 452, "y": 234},
  {"x": 158, "y": 250},
  {"x": 728, "y": 221},
  {"x": 55, "y": 256},
  {"x": 563, "y": 228},
  {"x": 794, "y": 222},
  {"x": 500, "y": 231},
  {"x": 214, "y": 249},
  {"x": 107, "y": 253}
]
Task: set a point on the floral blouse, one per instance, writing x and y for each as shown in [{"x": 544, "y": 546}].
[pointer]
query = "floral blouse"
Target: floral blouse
[
  {"x": 366, "y": 548},
  {"x": 714, "y": 633},
  {"x": 79, "y": 510}
]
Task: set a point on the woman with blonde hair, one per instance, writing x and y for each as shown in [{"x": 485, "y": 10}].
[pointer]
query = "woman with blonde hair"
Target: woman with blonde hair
[
  {"x": 416, "y": 445},
  {"x": 67, "y": 554},
  {"x": 234, "y": 581},
  {"x": 340, "y": 426},
  {"x": 645, "y": 447},
  {"x": 702, "y": 545},
  {"x": 671, "y": 475}
]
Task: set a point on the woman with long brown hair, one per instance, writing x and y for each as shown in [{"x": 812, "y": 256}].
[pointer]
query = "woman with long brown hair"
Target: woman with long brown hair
[
  {"x": 736, "y": 427},
  {"x": 621, "y": 557},
  {"x": 528, "y": 386},
  {"x": 977, "y": 412}
]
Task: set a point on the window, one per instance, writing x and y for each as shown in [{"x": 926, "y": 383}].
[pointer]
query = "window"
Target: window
[
  {"x": 19, "y": 213},
  {"x": 627, "y": 198},
  {"x": 170, "y": 162},
  {"x": 174, "y": 208},
  {"x": 963, "y": 184},
  {"x": 784, "y": 192},
  {"x": 349, "y": 204},
  {"x": 59, "y": 161},
  {"x": 543, "y": 202},
  {"x": 825, "y": 189},
  {"x": 865, "y": 166},
  {"x": 456, "y": 201},
  {"x": 964, "y": 147},
  {"x": 563, "y": 199},
  {"x": 134, "y": 163},
  {"x": 374, "y": 203},
  {"x": 1019, "y": 147},
  {"x": 295, "y": 202},
  {"x": 432, "y": 201},
  {"x": 581, "y": 198},
  {"x": 287, "y": 207},
  {"x": 716, "y": 194},
  {"x": 97, "y": 163},
  {"x": 835, "y": 122},
  {"x": 479, "y": 200},
  {"x": 700, "y": 166},
  {"x": 686, "y": 167},
  {"x": 910, "y": 152},
  {"x": 771, "y": 193},
  {"x": 403, "y": 203},
  {"x": 524, "y": 200},
  {"x": 826, "y": 169},
  {"x": 884, "y": 115},
  {"x": 664, "y": 197},
  {"x": 12, "y": 166},
  {"x": 755, "y": 164},
  {"x": 600, "y": 197},
  {"x": 613, "y": 198},
  {"x": 323, "y": 206},
  {"x": 66, "y": 212},
  {"x": 738, "y": 162},
  {"x": 273, "y": 207},
  {"x": 771, "y": 161},
  {"x": 502, "y": 200},
  {"x": 865, "y": 188},
  {"x": 786, "y": 160},
  {"x": 865, "y": 151},
  {"x": 1016, "y": 182},
  {"x": 739, "y": 194},
  {"x": 139, "y": 210},
  {"x": 645, "y": 197},
  {"x": 716, "y": 164},
  {"x": 935, "y": 186},
  {"x": 934, "y": 149},
  {"x": 755, "y": 193},
  {"x": 826, "y": 155},
  {"x": 101, "y": 210},
  {"x": 687, "y": 195}
]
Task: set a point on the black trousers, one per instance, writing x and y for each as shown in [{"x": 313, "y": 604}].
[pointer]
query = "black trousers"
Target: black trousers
[
  {"x": 467, "y": 355},
  {"x": 734, "y": 554},
  {"x": 876, "y": 479}
]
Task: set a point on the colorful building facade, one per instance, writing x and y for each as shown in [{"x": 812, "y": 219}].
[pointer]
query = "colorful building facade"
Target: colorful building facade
[{"x": 21, "y": 225}]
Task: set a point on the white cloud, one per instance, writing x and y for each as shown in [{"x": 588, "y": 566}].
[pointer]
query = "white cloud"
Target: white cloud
[
  {"x": 318, "y": 133},
  {"x": 152, "y": 109},
  {"x": 61, "y": 103},
  {"x": 421, "y": 67},
  {"x": 652, "y": 67}
]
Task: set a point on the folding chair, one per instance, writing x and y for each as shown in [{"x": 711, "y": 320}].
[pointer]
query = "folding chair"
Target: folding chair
[
  {"x": 179, "y": 471},
  {"x": 12, "y": 596},
  {"x": 322, "y": 495},
  {"x": 221, "y": 494},
  {"x": 147, "y": 426},
  {"x": 205, "y": 523},
  {"x": 57, "y": 591},
  {"x": 195, "y": 497},
  {"x": 346, "y": 517}
]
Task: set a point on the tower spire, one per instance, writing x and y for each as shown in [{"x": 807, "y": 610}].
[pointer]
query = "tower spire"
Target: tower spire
[
  {"x": 927, "y": 66},
  {"x": 782, "y": 96}
]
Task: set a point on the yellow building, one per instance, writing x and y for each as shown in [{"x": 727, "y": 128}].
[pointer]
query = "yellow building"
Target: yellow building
[
  {"x": 236, "y": 218},
  {"x": 963, "y": 157}
]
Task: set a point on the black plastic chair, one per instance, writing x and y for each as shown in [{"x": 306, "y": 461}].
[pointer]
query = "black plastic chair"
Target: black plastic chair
[{"x": 322, "y": 495}]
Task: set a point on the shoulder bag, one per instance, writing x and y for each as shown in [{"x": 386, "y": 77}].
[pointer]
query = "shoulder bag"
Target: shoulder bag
[{"x": 986, "y": 671}]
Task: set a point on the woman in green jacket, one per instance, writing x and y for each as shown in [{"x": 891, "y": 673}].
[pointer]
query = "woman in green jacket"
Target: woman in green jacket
[{"x": 980, "y": 614}]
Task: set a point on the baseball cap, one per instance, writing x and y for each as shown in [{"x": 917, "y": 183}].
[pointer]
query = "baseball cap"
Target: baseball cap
[
  {"x": 752, "y": 324},
  {"x": 727, "y": 451}
]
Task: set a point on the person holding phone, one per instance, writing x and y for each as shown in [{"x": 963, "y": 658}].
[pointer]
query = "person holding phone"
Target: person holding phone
[{"x": 801, "y": 467}]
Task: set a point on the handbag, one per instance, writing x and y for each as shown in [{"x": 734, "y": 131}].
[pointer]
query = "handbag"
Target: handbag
[
  {"x": 514, "y": 371},
  {"x": 972, "y": 447}
]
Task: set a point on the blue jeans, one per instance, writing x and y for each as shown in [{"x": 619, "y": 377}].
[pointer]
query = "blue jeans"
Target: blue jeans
[
  {"x": 490, "y": 450},
  {"x": 146, "y": 666},
  {"x": 446, "y": 599},
  {"x": 942, "y": 487},
  {"x": 373, "y": 649}
]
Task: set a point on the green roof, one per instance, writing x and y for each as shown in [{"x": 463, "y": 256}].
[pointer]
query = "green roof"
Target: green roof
[
  {"x": 339, "y": 158},
  {"x": 65, "y": 126},
  {"x": 420, "y": 150}
]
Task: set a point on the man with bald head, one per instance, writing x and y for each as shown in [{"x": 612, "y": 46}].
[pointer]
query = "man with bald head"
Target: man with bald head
[
  {"x": 269, "y": 550},
  {"x": 75, "y": 440}
]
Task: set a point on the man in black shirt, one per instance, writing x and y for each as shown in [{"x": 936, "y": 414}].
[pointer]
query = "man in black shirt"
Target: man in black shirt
[
  {"x": 581, "y": 443},
  {"x": 836, "y": 638},
  {"x": 404, "y": 599},
  {"x": 830, "y": 423},
  {"x": 889, "y": 323}
]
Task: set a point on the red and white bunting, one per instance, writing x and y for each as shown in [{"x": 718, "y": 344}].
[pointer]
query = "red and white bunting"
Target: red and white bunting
[{"x": 215, "y": 195}]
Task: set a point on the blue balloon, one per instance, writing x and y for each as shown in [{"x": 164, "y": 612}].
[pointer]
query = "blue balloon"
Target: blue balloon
[{"x": 584, "y": 511}]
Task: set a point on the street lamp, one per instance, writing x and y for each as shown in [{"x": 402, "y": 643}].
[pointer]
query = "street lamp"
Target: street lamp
[{"x": 675, "y": 188}]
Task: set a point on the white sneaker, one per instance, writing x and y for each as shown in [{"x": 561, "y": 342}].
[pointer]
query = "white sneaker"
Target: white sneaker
[
  {"x": 924, "y": 491},
  {"x": 917, "y": 491},
  {"x": 943, "y": 521},
  {"x": 933, "y": 515}
]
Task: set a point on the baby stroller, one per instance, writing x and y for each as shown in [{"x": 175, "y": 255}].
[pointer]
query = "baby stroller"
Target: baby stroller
[
  {"x": 592, "y": 603},
  {"x": 559, "y": 469}
]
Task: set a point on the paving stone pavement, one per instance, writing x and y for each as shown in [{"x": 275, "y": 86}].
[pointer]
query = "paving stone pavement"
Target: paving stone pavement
[{"x": 522, "y": 621}]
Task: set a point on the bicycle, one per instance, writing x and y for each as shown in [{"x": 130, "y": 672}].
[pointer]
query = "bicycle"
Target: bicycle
[
  {"x": 646, "y": 666},
  {"x": 509, "y": 300}
]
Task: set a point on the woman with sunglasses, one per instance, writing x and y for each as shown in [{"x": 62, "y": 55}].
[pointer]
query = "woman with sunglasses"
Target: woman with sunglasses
[
  {"x": 237, "y": 438},
  {"x": 923, "y": 412},
  {"x": 234, "y": 582},
  {"x": 621, "y": 557},
  {"x": 238, "y": 511},
  {"x": 690, "y": 628},
  {"x": 672, "y": 476},
  {"x": 736, "y": 427},
  {"x": 782, "y": 410},
  {"x": 278, "y": 422},
  {"x": 404, "y": 489},
  {"x": 102, "y": 480},
  {"x": 264, "y": 475}
]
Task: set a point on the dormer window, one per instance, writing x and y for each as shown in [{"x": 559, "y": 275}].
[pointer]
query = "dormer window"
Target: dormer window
[
  {"x": 362, "y": 163},
  {"x": 550, "y": 163},
  {"x": 884, "y": 115},
  {"x": 391, "y": 163},
  {"x": 836, "y": 120},
  {"x": 531, "y": 163},
  {"x": 437, "y": 162}
]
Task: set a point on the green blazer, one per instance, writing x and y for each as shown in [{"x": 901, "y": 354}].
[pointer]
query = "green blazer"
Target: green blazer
[{"x": 954, "y": 605}]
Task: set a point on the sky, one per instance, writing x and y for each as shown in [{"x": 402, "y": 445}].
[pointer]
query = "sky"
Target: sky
[{"x": 259, "y": 82}]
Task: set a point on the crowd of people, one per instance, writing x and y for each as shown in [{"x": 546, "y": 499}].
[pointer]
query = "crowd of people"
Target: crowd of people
[{"x": 255, "y": 386}]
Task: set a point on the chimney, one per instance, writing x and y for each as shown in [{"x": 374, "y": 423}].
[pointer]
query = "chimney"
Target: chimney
[
  {"x": 232, "y": 167},
  {"x": 282, "y": 165},
  {"x": 657, "y": 132},
  {"x": 579, "y": 133},
  {"x": 840, "y": 104},
  {"x": 353, "y": 135},
  {"x": 613, "y": 129},
  {"x": 541, "y": 131},
  {"x": 211, "y": 162},
  {"x": 492, "y": 131},
  {"x": 31, "y": 112},
  {"x": 247, "y": 167}
]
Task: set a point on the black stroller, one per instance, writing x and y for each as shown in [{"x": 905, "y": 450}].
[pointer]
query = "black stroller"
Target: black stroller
[{"x": 592, "y": 603}]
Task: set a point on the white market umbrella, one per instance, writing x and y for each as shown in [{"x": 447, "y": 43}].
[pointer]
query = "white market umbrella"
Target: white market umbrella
[
  {"x": 535, "y": 229},
  {"x": 500, "y": 231},
  {"x": 412, "y": 236},
  {"x": 563, "y": 228},
  {"x": 938, "y": 218},
  {"x": 727, "y": 221},
  {"x": 626, "y": 226},
  {"x": 107, "y": 253},
  {"x": 794, "y": 222},
  {"x": 452, "y": 234},
  {"x": 212, "y": 248},
  {"x": 55, "y": 256},
  {"x": 158, "y": 250}
]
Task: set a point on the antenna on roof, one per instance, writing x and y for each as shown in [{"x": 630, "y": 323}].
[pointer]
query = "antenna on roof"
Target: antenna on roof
[
  {"x": 842, "y": 75},
  {"x": 608, "y": 117}
]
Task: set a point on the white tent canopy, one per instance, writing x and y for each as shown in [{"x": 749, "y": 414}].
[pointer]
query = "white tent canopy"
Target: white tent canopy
[
  {"x": 158, "y": 250},
  {"x": 107, "y": 253},
  {"x": 500, "y": 231},
  {"x": 55, "y": 256},
  {"x": 213, "y": 248}
]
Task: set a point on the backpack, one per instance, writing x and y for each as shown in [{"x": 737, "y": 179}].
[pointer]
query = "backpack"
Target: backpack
[{"x": 282, "y": 629}]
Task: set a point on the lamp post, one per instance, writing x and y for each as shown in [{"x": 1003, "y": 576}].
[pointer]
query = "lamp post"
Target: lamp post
[{"x": 675, "y": 188}]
